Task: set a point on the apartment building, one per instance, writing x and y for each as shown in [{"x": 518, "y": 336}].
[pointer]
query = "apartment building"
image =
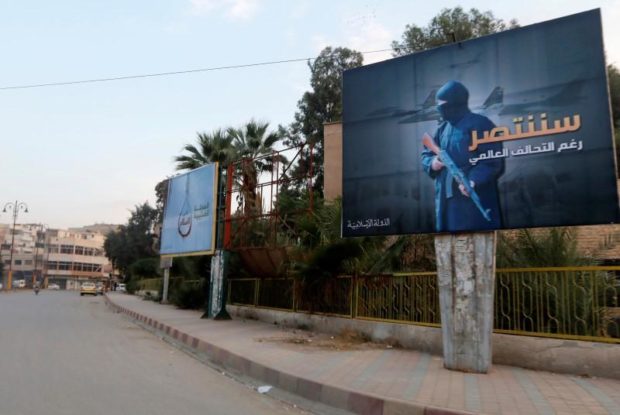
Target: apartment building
[
  {"x": 27, "y": 251},
  {"x": 67, "y": 257}
]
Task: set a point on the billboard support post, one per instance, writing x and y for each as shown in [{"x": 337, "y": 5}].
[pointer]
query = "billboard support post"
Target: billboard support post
[
  {"x": 466, "y": 274},
  {"x": 216, "y": 302},
  {"x": 166, "y": 264},
  {"x": 217, "y": 287},
  {"x": 164, "y": 295}
]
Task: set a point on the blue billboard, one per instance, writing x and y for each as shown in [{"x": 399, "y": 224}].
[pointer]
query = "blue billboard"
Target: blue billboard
[
  {"x": 511, "y": 130},
  {"x": 190, "y": 213}
]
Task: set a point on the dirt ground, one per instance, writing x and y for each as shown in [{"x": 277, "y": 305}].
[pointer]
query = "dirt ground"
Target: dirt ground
[{"x": 346, "y": 340}]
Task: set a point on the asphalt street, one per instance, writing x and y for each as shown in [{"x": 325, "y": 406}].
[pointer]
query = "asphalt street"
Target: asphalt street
[{"x": 62, "y": 354}]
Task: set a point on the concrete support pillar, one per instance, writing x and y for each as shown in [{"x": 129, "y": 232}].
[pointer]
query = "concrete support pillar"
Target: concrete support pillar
[
  {"x": 217, "y": 287},
  {"x": 164, "y": 295},
  {"x": 466, "y": 275}
]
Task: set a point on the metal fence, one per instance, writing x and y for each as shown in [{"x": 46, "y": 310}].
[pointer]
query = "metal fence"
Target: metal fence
[
  {"x": 155, "y": 284},
  {"x": 571, "y": 303}
]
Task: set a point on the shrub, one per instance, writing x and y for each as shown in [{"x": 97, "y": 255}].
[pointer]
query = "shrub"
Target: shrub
[{"x": 189, "y": 296}]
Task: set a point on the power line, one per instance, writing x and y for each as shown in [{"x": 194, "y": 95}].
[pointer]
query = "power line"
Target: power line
[{"x": 152, "y": 75}]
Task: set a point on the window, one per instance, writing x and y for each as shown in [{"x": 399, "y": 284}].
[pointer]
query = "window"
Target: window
[
  {"x": 79, "y": 250},
  {"x": 18, "y": 262},
  {"x": 66, "y": 249},
  {"x": 53, "y": 249},
  {"x": 28, "y": 262},
  {"x": 66, "y": 266}
]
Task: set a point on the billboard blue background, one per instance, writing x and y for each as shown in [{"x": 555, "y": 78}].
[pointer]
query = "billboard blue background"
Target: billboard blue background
[
  {"x": 189, "y": 215},
  {"x": 555, "y": 68}
]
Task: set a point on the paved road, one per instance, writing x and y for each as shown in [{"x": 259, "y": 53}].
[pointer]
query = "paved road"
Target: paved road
[{"x": 62, "y": 354}]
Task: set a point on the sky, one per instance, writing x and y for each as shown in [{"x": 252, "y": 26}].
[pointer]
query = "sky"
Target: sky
[{"x": 90, "y": 152}]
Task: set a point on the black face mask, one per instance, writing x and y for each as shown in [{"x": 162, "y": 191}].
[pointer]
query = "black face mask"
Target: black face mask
[
  {"x": 451, "y": 112},
  {"x": 454, "y": 106}
]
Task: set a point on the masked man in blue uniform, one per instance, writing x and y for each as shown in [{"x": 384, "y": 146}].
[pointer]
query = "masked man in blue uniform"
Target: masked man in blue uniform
[{"x": 454, "y": 209}]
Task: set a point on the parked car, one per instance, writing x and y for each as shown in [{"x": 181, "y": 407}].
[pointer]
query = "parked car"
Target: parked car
[
  {"x": 53, "y": 286},
  {"x": 1, "y": 286},
  {"x": 88, "y": 288},
  {"x": 121, "y": 287},
  {"x": 99, "y": 288},
  {"x": 19, "y": 284}
]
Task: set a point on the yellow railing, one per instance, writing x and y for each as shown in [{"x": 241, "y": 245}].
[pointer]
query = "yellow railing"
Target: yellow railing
[
  {"x": 559, "y": 302},
  {"x": 570, "y": 303},
  {"x": 154, "y": 284},
  {"x": 405, "y": 297},
  {"x": 149, "y": 284}
]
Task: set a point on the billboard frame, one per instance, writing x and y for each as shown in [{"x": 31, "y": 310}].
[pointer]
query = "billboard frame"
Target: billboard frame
[{"x": 216, "y": 178}]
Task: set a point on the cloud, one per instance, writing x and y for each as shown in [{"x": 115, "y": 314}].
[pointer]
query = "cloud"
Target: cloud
[
  {"x": 301, "y": 9},
  {"x": 242, "y": 9},
  {"x": 319, "y": 42},
  {"x": 204, "y": 6},
  {"x": 369, "y": 36},
  {"x": 611, "y": 31},
  {"x": 233, "y": 9}
]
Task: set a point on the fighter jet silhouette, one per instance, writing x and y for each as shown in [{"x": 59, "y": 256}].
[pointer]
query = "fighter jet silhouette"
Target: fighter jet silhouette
[
  {"x": 543, "y": 99},
  {"x": 492, "y": 104},
  {"x": 426, "y": 107}
]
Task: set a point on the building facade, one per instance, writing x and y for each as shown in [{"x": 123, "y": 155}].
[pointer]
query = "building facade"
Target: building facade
[{"x": 66, "y": 257}]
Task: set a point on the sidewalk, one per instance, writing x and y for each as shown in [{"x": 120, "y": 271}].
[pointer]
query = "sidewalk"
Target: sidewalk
[{"x": 373, "y": 380}]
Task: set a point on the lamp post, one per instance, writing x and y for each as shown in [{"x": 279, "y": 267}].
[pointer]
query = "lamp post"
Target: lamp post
[
  {"x": 40, "y": 231},
  {"x": 15, "y": 206}
]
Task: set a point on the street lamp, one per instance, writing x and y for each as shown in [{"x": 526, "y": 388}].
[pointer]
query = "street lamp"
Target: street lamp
[
  {"x": 15, "y": 206},
  {"x": 40, "y": 231}
]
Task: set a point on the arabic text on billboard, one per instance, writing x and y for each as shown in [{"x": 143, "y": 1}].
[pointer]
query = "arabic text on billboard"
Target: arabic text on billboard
[{"x": 507, "y": 131}]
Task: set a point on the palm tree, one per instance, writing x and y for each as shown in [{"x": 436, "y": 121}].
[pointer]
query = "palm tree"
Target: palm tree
[
  {"x": 251, "y": 147},
  {"x": 255, "y": 147},
  {"x": 214, "y": 147}
]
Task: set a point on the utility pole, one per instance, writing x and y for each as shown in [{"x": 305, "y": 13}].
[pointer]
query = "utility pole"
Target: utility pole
[{"x": 15, "y": 206}]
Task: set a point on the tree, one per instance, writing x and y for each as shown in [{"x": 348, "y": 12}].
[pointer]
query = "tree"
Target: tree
[
  {"x": 254, "y": 144},
  {"x": 551, "y": 247},
  {"x": 134, "y": 240},
  {"x": 161, "y": 193},
  {"x": 463, "y": 25},
  {"x": 252, "y": 141},
  {"x": 614, "y": 91},
  {"x": 214, "y": 147},
  {"x": 321, "y": 105}
]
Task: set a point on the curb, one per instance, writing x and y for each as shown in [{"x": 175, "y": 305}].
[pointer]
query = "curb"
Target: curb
[{"x": 337, "y": 397}]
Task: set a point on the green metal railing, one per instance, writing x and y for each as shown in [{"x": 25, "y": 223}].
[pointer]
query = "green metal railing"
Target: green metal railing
[{"x": 570, "y": 303}]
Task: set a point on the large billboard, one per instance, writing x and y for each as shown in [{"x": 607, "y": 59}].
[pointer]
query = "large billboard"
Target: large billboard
[
  {"x": 510, "y": 130},
  {"x": 189, "y": 216}
]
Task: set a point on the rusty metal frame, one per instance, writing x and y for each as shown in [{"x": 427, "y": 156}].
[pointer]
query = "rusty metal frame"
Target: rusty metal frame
[{"x": 237, "y": 223}]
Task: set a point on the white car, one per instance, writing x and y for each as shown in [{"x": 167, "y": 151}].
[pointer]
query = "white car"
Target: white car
[
  {"x": 53, "y": 286},
  {"x": 19, "y": 284},
  {"x": 121, "y": 287}
]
